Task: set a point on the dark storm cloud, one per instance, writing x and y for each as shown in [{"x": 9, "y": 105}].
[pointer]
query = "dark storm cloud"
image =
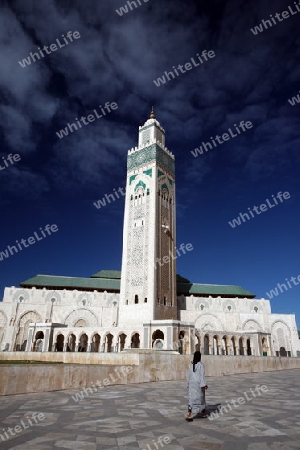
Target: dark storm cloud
[{"x": 117, "y": 58}]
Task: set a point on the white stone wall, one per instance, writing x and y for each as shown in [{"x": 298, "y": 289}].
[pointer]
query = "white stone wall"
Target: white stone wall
[
  {"x": 97, "y": 313},
  {"x": 240, "y": 315},
  {"x": 22, "y": 306}
]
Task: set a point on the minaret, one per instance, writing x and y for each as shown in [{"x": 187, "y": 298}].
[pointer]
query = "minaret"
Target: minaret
[{"x": 148, "y": 283}]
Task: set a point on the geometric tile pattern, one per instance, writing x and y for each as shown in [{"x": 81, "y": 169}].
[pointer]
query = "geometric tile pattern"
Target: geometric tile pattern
[{"x": 140, "y": 416}]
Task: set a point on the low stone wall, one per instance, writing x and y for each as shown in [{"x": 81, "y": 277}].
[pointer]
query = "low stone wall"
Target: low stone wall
[
  {"x": 73, "y": 357},
  {"x": 86, "y": 370}
]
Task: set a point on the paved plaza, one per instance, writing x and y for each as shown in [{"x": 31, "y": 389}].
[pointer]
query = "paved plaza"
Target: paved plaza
[{"x": 152, "y": 416}]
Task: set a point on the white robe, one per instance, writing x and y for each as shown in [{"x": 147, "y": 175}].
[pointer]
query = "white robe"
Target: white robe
[{"x": 196, "y": 383}]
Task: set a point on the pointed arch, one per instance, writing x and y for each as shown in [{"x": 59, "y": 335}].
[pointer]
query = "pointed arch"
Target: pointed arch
[
  {"x": 83, "y": 314},
  {"x": 251, "y": 325}
]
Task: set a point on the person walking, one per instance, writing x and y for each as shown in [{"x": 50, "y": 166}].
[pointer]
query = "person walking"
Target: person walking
[{"x": 196, "y": 388}]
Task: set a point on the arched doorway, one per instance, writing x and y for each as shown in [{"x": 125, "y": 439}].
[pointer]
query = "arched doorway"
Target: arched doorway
[
  {"x": 121, "y": 341},
  {"x": 241, "y": 346},
  {"x": 206, "y": 344},
  {"x": 249, "y": 352},
  {"x": 59, "y": 346},
  {"x": 95, "y": 344},
  {"x": 158, "y": 339},
  {"x": 83, "y": 341},
  {"x": 71, "y": 345},
  {"x": 38, "y": 342},
  {"x": 215, "y": 345},
  {"x": 108, "y": 343},
  {"x": 282, "y": 352},
  {"x": 182, "y": 342},
  {"x": 135, "y": 341}
]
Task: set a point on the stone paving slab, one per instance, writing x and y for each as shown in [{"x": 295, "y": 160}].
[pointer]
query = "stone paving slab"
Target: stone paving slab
[{"x": 151, "y": 416}]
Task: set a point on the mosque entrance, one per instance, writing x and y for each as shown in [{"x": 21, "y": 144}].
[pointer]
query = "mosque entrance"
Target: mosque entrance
[
  {"x": 157, "y": 339},
  {"x": 39, "y": 341},
  {"x": 135, "y": 341},
  {"x": 282, "y": 352}
]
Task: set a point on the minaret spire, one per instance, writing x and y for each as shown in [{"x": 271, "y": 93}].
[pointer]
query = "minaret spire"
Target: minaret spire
[{"x": 152, "y": 115}]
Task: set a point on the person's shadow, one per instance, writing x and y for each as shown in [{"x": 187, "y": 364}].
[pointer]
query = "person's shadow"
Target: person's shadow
[{"x": 209, "y": 409}]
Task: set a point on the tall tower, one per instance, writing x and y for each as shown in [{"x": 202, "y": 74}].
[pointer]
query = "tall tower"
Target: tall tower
[{"x": 148, "y": 282}]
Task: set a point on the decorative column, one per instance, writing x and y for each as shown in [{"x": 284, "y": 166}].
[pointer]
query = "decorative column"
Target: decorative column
[{"x": 29, "y": 340}]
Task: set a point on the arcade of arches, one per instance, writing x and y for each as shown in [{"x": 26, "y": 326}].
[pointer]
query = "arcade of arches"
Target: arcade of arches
[
  {"x": 75, "y": 342},
  {"x": 31, "y": 337},
  {"x": 258, "y": 344}
]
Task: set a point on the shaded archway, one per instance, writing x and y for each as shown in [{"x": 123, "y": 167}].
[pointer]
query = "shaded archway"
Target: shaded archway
[
  {"x": 121, "y": 341},
  {"x": 233, "y": 344},
  {"x": 108, "y": 343},
  {"x": 59, "y": 346},
  {"x": 206, "y": 344},
  {"x": 249, "y": 351},
  {"x": 135, "y": 341},
  {"x": 224, "y": 345},
  {"x": 180, "y": 345},
  {"x": 38, "y": 342},
  {"x": 83, "y": 342},
  {"x": 241, "y": 346},
  {"x": 282, "y": 352},
  {"x": 157, "y": 336},
  {"x": 95, "y": 344},
  {"x": 215, "y": 345},
  {"x": 71, "y": 345}
]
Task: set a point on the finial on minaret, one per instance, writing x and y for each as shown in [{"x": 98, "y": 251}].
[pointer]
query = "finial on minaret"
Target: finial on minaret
[{"x": 152, "y": 115}]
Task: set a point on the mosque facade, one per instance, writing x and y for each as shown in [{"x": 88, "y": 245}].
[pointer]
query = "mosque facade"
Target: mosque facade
[{"x": 146, "y": 305}]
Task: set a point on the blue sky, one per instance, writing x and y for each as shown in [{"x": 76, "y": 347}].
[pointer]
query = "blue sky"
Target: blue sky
[{"x": 116, "y": 59}]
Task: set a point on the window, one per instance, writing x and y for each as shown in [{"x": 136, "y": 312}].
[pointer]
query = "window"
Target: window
[
  {"x": 126, "y": 302},
  {"x": 145, "y": 301},
  {"x": 165, "y": 300},
  {"x": 136, "y": 299}
]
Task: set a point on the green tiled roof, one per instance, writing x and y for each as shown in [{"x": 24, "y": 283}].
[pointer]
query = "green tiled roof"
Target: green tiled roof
[
  {"x": 72, "y": 282},
  {"x": 110, "y": 280},
  {"x": 212, "y": 289},
  {"x": 114, "y": 274}
]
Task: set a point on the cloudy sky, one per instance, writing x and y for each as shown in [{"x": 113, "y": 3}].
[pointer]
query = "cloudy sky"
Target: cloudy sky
[{"x": 116, "y": 59}]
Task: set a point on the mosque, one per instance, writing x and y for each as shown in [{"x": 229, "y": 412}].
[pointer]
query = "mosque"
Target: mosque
[{"x": 146, "y": 305}]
